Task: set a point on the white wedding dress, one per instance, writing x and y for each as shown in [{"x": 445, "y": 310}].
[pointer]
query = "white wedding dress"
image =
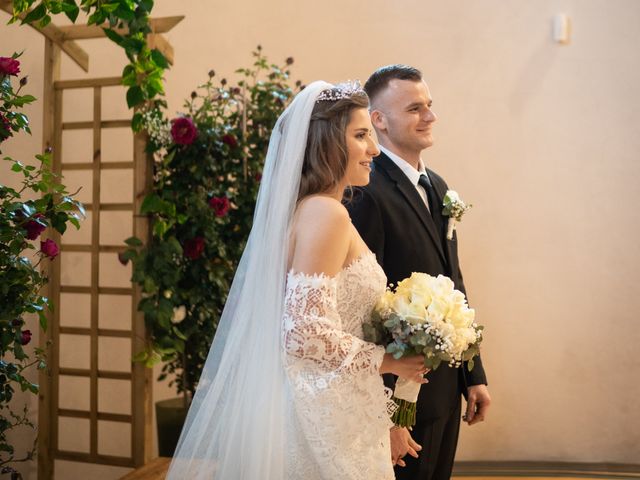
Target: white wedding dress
[{"x": 340, "y": 426}]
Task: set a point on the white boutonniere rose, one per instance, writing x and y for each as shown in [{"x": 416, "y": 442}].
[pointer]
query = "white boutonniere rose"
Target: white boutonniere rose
[{"x": 454, "y": 208}]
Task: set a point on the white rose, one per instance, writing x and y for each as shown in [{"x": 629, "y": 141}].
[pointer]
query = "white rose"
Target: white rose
[
  {"x": 453, "y": 196},
  {"x": 414, "y": 314},
  {"x": 437, "y": 310},
  {"x": 385, "y": 301}
]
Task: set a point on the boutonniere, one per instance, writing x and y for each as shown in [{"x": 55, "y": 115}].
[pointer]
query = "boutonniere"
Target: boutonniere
[{"x": 454, "y": 208}]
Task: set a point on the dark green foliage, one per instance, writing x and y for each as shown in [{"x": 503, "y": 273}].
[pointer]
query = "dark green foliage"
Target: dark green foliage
[
  {"x": 193, "y": 185},
  {"x": 22, "y": 226},
  {"x": 143, "y": 75}
]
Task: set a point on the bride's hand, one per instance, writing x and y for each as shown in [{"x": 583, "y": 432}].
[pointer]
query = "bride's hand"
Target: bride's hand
[{"x": 411, "y": 368}]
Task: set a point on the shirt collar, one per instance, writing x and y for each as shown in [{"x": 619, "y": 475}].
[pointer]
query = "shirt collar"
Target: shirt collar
[{"x": 412, "y": 174}]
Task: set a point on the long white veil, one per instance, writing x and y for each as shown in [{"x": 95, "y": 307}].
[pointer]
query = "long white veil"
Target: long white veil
[{"x": 235, "y": 429}]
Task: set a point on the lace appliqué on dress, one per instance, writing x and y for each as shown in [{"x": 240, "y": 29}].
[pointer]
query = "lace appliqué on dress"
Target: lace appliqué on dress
[{"x": 341, "y": 427}]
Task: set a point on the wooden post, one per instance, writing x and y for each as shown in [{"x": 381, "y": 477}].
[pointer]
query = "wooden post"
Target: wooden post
[
  {"x": 142, "y": 388},
  {"x": 47, "y": 399},
  {"x": 95, "y": 272}
]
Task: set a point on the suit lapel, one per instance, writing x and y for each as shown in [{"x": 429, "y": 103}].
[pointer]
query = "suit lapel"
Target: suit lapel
[
  {"x": 409, "y": 192},
  {"x": 440, "y": 193}
]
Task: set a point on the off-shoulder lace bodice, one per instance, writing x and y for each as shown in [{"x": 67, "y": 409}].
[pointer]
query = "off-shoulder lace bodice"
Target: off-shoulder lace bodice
[{"x": 341, "y": 427}]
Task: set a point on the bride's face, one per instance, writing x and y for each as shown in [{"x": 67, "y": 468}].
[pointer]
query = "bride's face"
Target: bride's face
[{"x": 361, "y": 148}]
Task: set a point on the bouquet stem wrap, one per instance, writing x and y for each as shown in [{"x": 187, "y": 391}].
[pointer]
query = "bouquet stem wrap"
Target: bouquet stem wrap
[{"x": 405, "y": 394}]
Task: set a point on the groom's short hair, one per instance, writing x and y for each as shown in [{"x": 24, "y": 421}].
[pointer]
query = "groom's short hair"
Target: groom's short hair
[{"x": 379, "y": 79}]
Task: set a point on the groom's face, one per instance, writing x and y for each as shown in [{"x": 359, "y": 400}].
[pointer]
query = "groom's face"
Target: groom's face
[{"x": 403, "y": 117}]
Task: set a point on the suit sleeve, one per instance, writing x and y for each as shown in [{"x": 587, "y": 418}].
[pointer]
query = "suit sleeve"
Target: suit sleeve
[
  {"x": 366, "y": 217},
  {"x": 476, "y": 376}
]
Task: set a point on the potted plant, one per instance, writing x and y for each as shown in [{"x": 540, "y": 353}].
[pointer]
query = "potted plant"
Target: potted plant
[{"x": 207, "y": 171}]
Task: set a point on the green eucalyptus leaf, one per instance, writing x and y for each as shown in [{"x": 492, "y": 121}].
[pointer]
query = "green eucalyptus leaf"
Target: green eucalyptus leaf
[{"x": 470, "y": 364}]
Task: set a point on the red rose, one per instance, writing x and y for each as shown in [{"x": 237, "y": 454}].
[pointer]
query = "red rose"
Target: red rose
[
  {"x": 49, "y": 248},
  {"x": 194, "y": 247},
  {"x": 183, "y": 131},
  {"x": 122, "y": 259},
  {"x": 26, "y": 337},
  {"x": 35, "y": 228},
  {"x": 220, "y": 205},
  {"x": 230, "y": 140},
  {"x": 9, "y": 66},
  {"x": 258, "y": 177},
  {"x": 5, "y": 128}
]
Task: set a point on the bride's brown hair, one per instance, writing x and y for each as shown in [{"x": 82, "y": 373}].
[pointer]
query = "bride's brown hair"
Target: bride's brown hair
[{"x": 326, "y": 156}]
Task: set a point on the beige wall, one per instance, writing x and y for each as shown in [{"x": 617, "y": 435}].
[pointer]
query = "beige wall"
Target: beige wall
[{"x": 542, "y": 138}]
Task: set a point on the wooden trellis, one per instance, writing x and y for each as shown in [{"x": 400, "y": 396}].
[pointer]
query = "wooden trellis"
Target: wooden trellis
[{"x": 57, "y": 40}]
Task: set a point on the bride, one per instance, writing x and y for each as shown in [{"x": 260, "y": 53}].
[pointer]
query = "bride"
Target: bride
[{"x": 290, "y": 390}]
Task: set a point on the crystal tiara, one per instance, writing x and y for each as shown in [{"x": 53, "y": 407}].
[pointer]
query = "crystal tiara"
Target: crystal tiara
[{"x": 340, "y": 91}]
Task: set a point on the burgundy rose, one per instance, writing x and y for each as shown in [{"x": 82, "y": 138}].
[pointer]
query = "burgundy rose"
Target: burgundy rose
[
  {"x": 16, "y": 322},
  {"x": 5, "y": 128},
  {"x": 258, "y": 177},
  {"x": 122, "y": 259},
  {"x": 220, "y": 205},
  {"x": 25, "y": 337},
  {"x": 9, "y": 66},
  {"x": 183, "y": 131},
  {"x": 230, "y": 140},
  {"x": 194, "y": 247},
  {"x": 49, "y": 248},
  {"x": 35, "y": 228}
]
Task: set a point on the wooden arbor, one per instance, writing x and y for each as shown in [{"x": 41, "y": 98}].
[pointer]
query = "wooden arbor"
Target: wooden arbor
[{"x": 95, "y": 373}]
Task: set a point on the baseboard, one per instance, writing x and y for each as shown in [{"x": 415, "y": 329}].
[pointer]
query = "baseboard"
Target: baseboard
[{"x": 546, "y": 469}]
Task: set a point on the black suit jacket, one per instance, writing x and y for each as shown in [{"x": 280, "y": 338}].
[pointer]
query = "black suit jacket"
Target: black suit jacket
[{"x": 394, "y": 222}]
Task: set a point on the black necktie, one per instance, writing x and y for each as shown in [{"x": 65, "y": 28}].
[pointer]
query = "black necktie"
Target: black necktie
[
  {"x": 432, "y": 197},
  {"x": 431, "y": 194}
]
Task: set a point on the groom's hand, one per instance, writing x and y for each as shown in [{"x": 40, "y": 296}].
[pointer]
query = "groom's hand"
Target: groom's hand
[
  {"x": 401, "y": 444},
  {"x": 478, "y": 401}
]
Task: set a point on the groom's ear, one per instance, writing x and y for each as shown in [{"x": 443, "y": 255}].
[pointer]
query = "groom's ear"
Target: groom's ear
[{"x": 378, "y": 120}]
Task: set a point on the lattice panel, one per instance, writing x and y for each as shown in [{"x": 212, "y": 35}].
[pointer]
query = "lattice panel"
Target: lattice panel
[{"x": 97, "y": 397}]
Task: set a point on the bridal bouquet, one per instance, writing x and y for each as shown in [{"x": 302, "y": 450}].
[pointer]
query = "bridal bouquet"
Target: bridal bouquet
[{"x": 424, "y": 315}]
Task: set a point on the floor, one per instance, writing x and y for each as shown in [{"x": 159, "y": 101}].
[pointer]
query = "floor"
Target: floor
[{"x": 157, "y": 469}]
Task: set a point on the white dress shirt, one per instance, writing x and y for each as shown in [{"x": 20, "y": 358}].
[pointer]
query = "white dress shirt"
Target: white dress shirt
[{"x": 412, "y": 174}]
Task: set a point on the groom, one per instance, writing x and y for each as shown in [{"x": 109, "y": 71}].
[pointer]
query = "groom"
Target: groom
[{"x": 399, "y": 216}]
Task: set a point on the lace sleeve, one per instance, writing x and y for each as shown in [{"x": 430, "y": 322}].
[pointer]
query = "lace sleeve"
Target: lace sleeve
[{"x": 312, "y": 332}]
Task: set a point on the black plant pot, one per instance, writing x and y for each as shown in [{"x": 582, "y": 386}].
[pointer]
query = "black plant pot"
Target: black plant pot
[{"x": 170, "y": 417}]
